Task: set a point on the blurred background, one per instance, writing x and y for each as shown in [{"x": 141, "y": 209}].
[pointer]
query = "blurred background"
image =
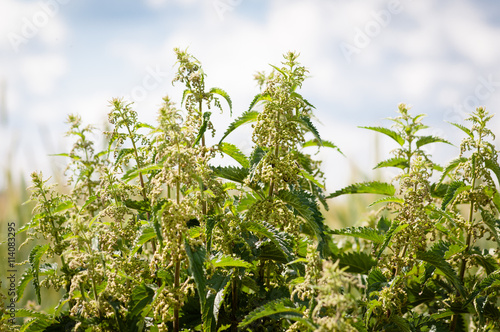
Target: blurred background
[{"x": 364, "y": 58}]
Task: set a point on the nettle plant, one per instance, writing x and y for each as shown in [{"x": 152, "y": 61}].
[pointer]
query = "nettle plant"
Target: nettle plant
[
  {"x": 434, "y": 263},
  {"x": 154, "y": 237}
]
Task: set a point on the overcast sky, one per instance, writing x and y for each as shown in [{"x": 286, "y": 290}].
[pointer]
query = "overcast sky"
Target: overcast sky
[{"x": 364, "y": 58}]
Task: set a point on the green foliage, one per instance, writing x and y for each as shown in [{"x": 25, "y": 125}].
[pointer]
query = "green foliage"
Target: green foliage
[{"x": 153, "y": 236}]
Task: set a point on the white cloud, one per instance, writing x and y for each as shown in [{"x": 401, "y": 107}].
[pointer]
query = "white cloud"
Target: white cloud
[{"x": 41, "y": 72}]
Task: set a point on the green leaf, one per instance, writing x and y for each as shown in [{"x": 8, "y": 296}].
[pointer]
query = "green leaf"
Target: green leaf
[
  {"x": 211, "y": 221},
  {"x": 185, "y": 93},
  {"x": 87, "y": 203},
  {"x": 203, "y": 128},
  {"x": 299, "y": 96},
  {"x": 356, "y": 262},
  {"x": 22, "y": 312},
  {"x": 324, "y": 143},
  {"x": 390, "y": 199},
  {"x": 455, "y": 188},
  {"x": 235, "y": 153},
  {"x": 366, "y": 233},
  {"x": 374, "y": 187},
  {"x": 393, "y": 162},
  {"x": 376, "y": 281},
  {"x": 34, "y": 259},
  {"x": 401, "y": 323},
  {"x": 65, "y": 205},
  {"x": 264, "y": 229},
  {"x": 23, "y": 282},
  {"x": 279, "y": 308},
  {"x": 142, "y": 295},
  {"x": 145, "y": 234},
  {"x": 224, "y": 95},
  {"x": 38, "y": 324},
  {"x": 306, "y": 123},
  {"x": 122, "y": 153},
  {"x": 246, "y": 117},
  {"x": 142, "y": 205},
  {"x": 305, "y": 205},
  {"x": 451, "y": 166},
  {"x": 228, "y": 261},
  {"x": 134, "y": 172},
  {"x": 493, "y": 224},
  {"x": 492, "y": 165},
  {"x": 395, "y": 228},
  {"x": 236, "y": 174},
  {"x": 391, "y": 133},
  {"x": 218, "y": 286},
  {"x": 424, "y": 140},
  {"x": 437, "y": 260},
  {"x": 464, "y": 129},
  {"x": 196, "y": 257},
  {"x": 493, "y": 280}
]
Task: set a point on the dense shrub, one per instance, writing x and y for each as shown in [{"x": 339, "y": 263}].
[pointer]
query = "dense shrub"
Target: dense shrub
[{"x": 154, "y": 237}]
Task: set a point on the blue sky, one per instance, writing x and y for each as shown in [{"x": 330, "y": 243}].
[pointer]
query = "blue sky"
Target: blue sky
[{"x": 364, "y": 58}]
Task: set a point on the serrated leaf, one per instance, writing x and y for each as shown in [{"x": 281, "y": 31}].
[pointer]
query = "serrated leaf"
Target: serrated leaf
[
  {"x": 142, "y": 295},
  {"x": 277, "y": 307},
  {"x": 34, "y": 259},
  {"x": 401, "y": 323},
  {"x": 455, "y": 188},
  {"x": 390, "y": 199},
  {"x": 37, "y": 325},
  {"x": 246, "y": 117},
  {"x": 306, "y": 123},
  {"x": 228, "y": 261},
  {"x": 492, "y": 165},
  {"x": 374, "y": 187},
  {"x": 441, "y": 264},
  {"x": 203, "y": 128},
  {"x": 264, "y": 229},
  {"x": 134, "y": 172},
  {"x": 146, "y": 233},
  {"x": 298, "y": 95},
  {"x": 122, "y": 153},
  {"x": 493, "y": 224},
  {"x": 391, "y": 133},
  {"x": 185, "y": 93},
  {"x": 424, "y": 140},
  {"x": 366, "y": 233},
  {"x": 393, "y": 162},
  {"x": 224, "y": 95},
  {"x": 217, "y": 289},
  {"x": 305, "y": 205},
  {"x": 376, "y": 281},
  {"x": 26, "y": 277},
  {"x": 356, "y": 262},
  {"x": 236, "y": 174},
  {"x": 395, "y": 228},
  {"x": 235, "y": 153},
  {"x": 210, "y": 222},
  {"x": 451, "y": 166},
  {"x": 196, "y": 257},
  {"x": 463, "y": 128},
  {"x": 65, "y": 205},
  {"x": 322, "y": 143},
  {"x": 23, "y": 312},
  {"x": 89, "y": 201}
]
